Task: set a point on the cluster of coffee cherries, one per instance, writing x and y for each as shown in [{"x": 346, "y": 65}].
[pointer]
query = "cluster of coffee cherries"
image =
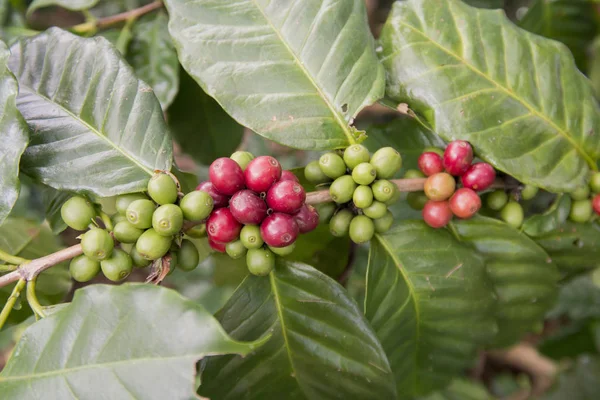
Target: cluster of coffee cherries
[
  {"x": 152, "y": 224},
  {"x": 360, "y": 187},
  {"x": 585, "y": 203},
  {"x": 259, "y": 210}
]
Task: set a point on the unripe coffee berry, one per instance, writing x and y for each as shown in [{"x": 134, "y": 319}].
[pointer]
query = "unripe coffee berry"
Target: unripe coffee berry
[
  {"x": 355, "y": 155},
  {"x": 394, "y": 198},
  {"x": 137, "y": 259},
  {"x": 362, "y": 229},
  {"x": 387, "y": 162},
  {"x": 332, "y": 165},
  {"x": 596, "y": 204},
  {"x": 115, "y": 219},
  {"x": 286, "y": 197},
  {"x": 242, "y": 158},
  {"x": 78, "y": 213},
  {"x": 362, "y": 197},
  {"x": 465, "y": 203},
  {"x": 288, "y": 176},
  {"x": 581, "y": 193},
  {"x": 283, "y": 251},
  {"x": 250, "y": 237},
  {"x": 222, "y": 226},
  {"x": 479, "y": 177},
  {"x": 458, "y": 157},
  {"x": 218, "y": 247},
  {"x": 196, "y": 206},
  {"x": 260, "y": 262},
  {"x": 279, "y": 230},
  {"x": 384, "y": 190},
  {"x": 226, "y": 175},
  {"x": 219, "y": 200},
  {"x": 497, "y": 200},
  {"x": 581, "y": 210},
  {"x": 529, "y": 192},
  {"x": 314, "y": 174},
  {"x": 384, "y": 223},
  {"x": 247, "y": 207},
  {"x": 364, "y": 174},
  {"x": 139, "y": 213},
  {"x": 413, "y": 174},
  {"x": 430, "y": 163},
  {"x": 416, "y": 200},
  {"x": 340, "y": 223},
  {"x": 167, "y": 220},
  {"x": 97, "y": 244},
  {"x": 236, "y": 249},
  {"x": 162, "y": 189},
  {"x": 262, "y": 173},
  {"x": 307, "y": 218},
  {"x": 123, "y": 201},
  {"x": 118, "y": 266},
  {"x": 342, "y": 189},
  {"x": 124, "y": 232},
  {"x": 595, "y": 182},
  {"x": 187, "y": 256},
  {"x": 83, "y": 268},
  {"x": 512, "y": 214},
  {"x": 437, "y": 214},
  {"x": 439, "y": 187},
  {"x": 152, "y": 246},
  {"x": 375, "y": 210}
]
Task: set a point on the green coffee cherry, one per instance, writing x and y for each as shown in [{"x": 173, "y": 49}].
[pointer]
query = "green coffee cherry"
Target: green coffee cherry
[
  {"x": 384, "y": 190},
  {"x": 340, "y": 223},
  {"x": 436, "y": 150},
  {"x": 236, "y": 249},
  {"x": 118, "y": 218},
  {"x": 125, "y": 200},
  {"x": 137, "y": 259},
  {"x": 387, "y": 162},
  {"x": 118, "y": 266},
  {"x": 243, "y": 158},
  {"x": 260, "y": 261},
  {"x": 283, "y": 251},
  {"x": 124, "y": 232},
  {"x": 162, "y": 189},
  {"x": 394, "y": 198},
  {"x": 364, "y": 174},
  {"x": 362, "y": 197},
  {"x": 332, "y": 165},
  {"x": 97, "y": 244},
  {"x": 512, "y": 214},
  {"x": 167, "y": 220},
  {"x": 139, "y": 213},
  {"x": 342, "y": 189},
  {"x": 325, "y": 211},
  {"x": 188, "y": 256},
  {"x": 197, "y": 232},
  {"x": 83, "y": 268},
  {"x": 497, "y": 200},
  {"x": 152, "y": 246},
  {"x": 384, "y": 223},
  {"x": 413, "y": 174},
  {"x": 416, "y": 200},
  {"x": 375, "y": 210},
  {"x": 314, "y": 174},
  {"x": 196, "y": 205},
  {"x": 581, "y": 210},
  {"x": 78, "y": 213},
  {"x": 362, "y": 229},
  {"x": 581, "y": 193},
  {"x": 529, "y": 192},
  {"x": 595, "y": 182},
  {"x": 356, "y": 154},
  {"x": 250, "y": 237}
]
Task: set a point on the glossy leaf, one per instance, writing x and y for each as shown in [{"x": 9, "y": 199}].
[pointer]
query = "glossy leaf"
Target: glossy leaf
[
  {"x": 321, "y": 348},
  {"x": 462, "y": 69},
  {"x": 554, "y": 217},
  {"x": 95, "y": 126},
  {"x": 295, "y": 72},
  {"x": 430, "y": 303},
  {"x": 129, "y": 341},
  {"x": 461, "y": 390},
  {"x": 74, "y": 5}
]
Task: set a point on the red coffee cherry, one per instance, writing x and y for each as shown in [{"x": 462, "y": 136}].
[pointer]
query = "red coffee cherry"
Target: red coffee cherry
[
  {"x": 288, "y": 176},
  {"x": 596, "y": 204},
  {"x": 465, "y": 203},
  {"x": 248, "y": 208},
  {"x": 437, "y": 214},
  {"x": 458, "y": 157},
  {"x": 279, "y": 230},
  {"x": 220, "y": 247},
  {"x": 222, "y": 227},
  {"x": 226, "y": 175},
  {"x": 479, "y": 177},
  {"x": 262, "y": 173},
  {"x": 430, "y": 163},
  {"x": 307, "y": 218},
  {"x": 219, "y": 199},
  {"x": 286, "y": 197}
]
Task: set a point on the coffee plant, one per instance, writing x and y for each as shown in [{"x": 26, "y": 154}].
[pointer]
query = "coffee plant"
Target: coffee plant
[{"x": 299, "y": 199}]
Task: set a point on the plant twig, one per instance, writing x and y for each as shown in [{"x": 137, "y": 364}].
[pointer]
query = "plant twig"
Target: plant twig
[
  {"x": 12, "y": 259},
  {"x": 11, "y": 301},
  {"x": 33, "y": 300},
  {"x": 105, "y": 22}
]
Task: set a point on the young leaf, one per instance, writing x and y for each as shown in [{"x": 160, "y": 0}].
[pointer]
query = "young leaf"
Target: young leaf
[
  {"x": 129, "y": 341},
  {"x": 295, "y": 72},
  {"x": 95, "y": 126},
  {"x": 322, "y": 347},
  {"x": 74, "y": 5},
  {"x": 554, "y": 217},
  {"x": 430, "y": 303},
  {"x": 462, "y": 69}
]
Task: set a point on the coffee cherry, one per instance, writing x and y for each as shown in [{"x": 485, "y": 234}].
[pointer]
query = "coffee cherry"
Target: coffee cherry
[
  {"x": 77, "y": 213},
  {"x": 581, "y": 210},
  {"x": 416, "y": 200},
  {"x": 375, "y": 210},
  {"x": 465, "y": 203},
  {"x": 595, "y": 182},
  {"x": 124, "y": 232},
  {"x": 123, "y": 201},
  {"x": 83, "y": 268},
  {"x": 342, "y": 189},
  {"x": 387, "y": 162},
  {"x": 247, "y": 208},
  {"x": 529, "y": 192},
  {"x": 340, "y": 223},
  {"x": 262, "y": 173},
  {"x": 118, "y": 266},
  {"x": 362, "y": 229},
  {"x": 512, "y": 214},
  {"x": 283, "y": 251},
  {"x": 167, "y": 220},
  {"x": 137, "y": 259},
  {"x": 458, "y": 157},
  {"x": 362, "y": 197},
  {"x": 218, "y": 247},
  {"x": 307, "y": 218},
  {"x": 97, "y": 244},
  {"x": 226, "y": 175},
  {"x": 314, "y": 174},
  {"x": 288, "y": 176},
  {"x": 242, "y": 158},
  {"x": 162, "y": 189},
  {"x": 439, "y": 187},
  {"x": 196, "y": 205},
  {"x": 384, "y": 223},
  {"x": 384, "y": 190},
  {"x": 430, "y": 163},
  {"x": 219, "y": 199},
  {"x": 153, "y": 246},
  {"x": 115, "y": 219},
  {"x": 581, "y": 193},
  {"x": 364, "y": 174},
  {"x": 326, "y": 211},
  {"x": 279, "y": 230},
  {"x": 413, "y": 174},
  {"x": 479, "y": 177},
  {"x": 260, "y": 262},
  {"x": 250, "y": 237},
  {"x": 286, "y": 197},
  {"x": 436, "y": 150},
  {"x": 139, "y": 213},
  {"x": 497, "y": 200},
  {"x": 596, "y": 204},
  {"x": 437, "y": 214},
  {"x": 355, "y": 155},
  {"x": 332, "y": 165},
  {"x": 394, "y": 198},
  {"x": 236, "y": 249},
  {"x": 222, "y": 226},
  {"x": 187, "y": 256}
]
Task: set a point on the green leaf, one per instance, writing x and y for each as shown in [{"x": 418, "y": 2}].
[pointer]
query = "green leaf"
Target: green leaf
[
  {"x": 153, "y": 57},
  {"x": 53, "y": 201},
  {"x": 461, "y": 389},
  {"x": 73, "y": 5},
  {"x": 13, "y": 137},
  {"x": 200, "y": 126},
  {"x": 430, "y": 303},
  {"x": 522, "y": 275},
  {"x": 95, "y": 126},
  {"x": 554, "y": 217},
  {"x": 129, "y": 341},
  {"x": 579, "y": 299},
  {"x": 294, "y": 72},
  {"x": 322, "y": 347},
  {"x": 485, "y": 3},
  {"x": 578, "y": 383},
  {"x": 462, "y": 69}
]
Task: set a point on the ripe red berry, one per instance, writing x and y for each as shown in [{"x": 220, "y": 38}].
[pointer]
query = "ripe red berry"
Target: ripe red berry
[
  {"x": 222, "y": 227},
  {"x": 596, "y": 204},
  {"x": 286, "y": 197},
  {"x": 279, "y": 230},
  {"x": 479, "y": 177},
  {"x": 458, "y": 157},
  {"x": 219, "y": 199},
  {"x": 437, "y": 214},
  {"x": 262, "y": 173},
  {"x": 307, "y": 218},
  {"x": 288, "y": 176},
  {"x": 465, "y": 203},
  {"x": 430, "y": 163},
  {"x": 248, "y": 208},
  {"x": 226, "y": 175},
  {"x": 220, "y": 247}
]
